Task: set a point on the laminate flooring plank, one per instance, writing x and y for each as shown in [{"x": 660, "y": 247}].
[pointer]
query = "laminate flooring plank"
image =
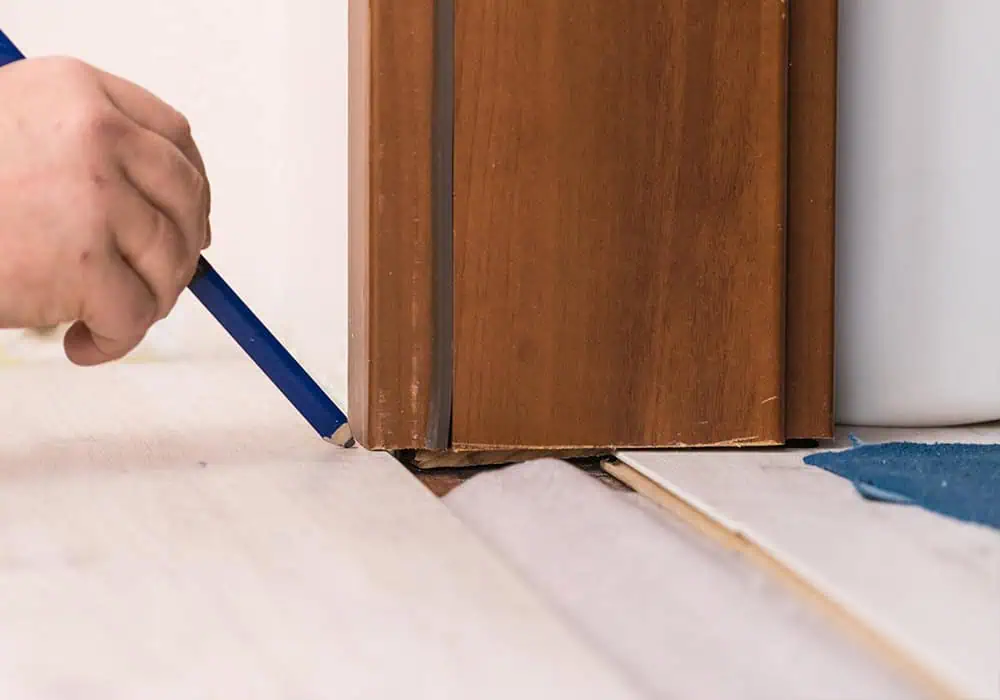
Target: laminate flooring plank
[
  {"x": 685, "y": 617},
  {"x": 929, "y": 584},
  {"x": 177, "y": 531}
]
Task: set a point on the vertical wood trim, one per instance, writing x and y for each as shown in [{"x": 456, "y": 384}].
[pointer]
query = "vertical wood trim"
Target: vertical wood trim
[
  {"x": 442, "y": 263},
  {"x": 811, "y": 225},
  {"x": 620, "y": 211},
  {"x": 391, "y": 79}
]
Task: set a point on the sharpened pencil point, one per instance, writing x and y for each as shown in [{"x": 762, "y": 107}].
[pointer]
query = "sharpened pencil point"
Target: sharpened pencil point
[{"x": 343, "y": 436}]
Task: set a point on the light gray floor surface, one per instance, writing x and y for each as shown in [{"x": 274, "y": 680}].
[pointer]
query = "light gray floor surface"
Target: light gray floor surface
[{"x": 678, "y": 614}]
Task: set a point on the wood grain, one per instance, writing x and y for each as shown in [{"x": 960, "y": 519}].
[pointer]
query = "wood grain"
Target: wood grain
[
  {"x": 391, "y": 319},
  {"x": 619, "y": 215},
  {"x": 812, "y": 95}
]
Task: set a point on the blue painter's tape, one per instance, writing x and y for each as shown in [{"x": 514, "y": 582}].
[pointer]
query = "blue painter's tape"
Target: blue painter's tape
[{"x": 955, "y": 479}]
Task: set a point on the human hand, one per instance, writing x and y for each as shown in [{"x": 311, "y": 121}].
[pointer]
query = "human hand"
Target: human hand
[{"x": 104, "y": 206}]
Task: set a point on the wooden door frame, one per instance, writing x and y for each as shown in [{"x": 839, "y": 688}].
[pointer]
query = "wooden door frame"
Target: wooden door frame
[{"x": 400, "y": 266}]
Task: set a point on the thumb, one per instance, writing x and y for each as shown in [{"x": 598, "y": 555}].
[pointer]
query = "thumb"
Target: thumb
[{"x": 86, "y": 349}]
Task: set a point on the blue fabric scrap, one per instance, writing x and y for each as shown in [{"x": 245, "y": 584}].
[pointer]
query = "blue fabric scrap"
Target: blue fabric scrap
[{"x": 954, "y": 479}]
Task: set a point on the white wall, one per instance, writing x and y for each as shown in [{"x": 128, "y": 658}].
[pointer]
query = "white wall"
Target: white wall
[
  {"x": 918, "y": 323},
  {"x": 264, "y": 84}
]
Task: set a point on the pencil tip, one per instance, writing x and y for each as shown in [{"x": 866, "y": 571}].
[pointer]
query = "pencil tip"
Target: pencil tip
[{"x": 342, "y": 436}]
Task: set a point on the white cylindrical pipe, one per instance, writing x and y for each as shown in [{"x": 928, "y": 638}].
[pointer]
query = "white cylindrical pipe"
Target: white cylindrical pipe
[{"x": 918, "y": 317}]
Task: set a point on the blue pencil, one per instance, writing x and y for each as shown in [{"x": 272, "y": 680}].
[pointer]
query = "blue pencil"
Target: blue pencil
[
  {"x": 253, "y": 336},
  {"x": 270, "y": 355}
]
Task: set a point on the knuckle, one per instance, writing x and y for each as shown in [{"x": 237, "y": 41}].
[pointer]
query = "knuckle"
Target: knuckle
[
  {"x": 169, "y": 262},
  {"x": 179, "y": 128},
  {"x": 194, "y": 224},
  {"x": 89, "y": 118},
  {"x": 185, "y": 272},
  {"x": 97, "y": 124},
  {"x": 202, "y": 194},
  {"x": 69, "y": 69},
  {"x": 179, "y": 257},
  {"x": 171, "y": 244},
  {"x": 208, "y": 192},
  {"x": 186, "y": 177}
]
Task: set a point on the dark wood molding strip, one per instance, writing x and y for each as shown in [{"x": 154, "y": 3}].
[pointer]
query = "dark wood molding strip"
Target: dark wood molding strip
[
  {"x": 812, "y": 129},
  {"x": 442, "y": 228}
]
